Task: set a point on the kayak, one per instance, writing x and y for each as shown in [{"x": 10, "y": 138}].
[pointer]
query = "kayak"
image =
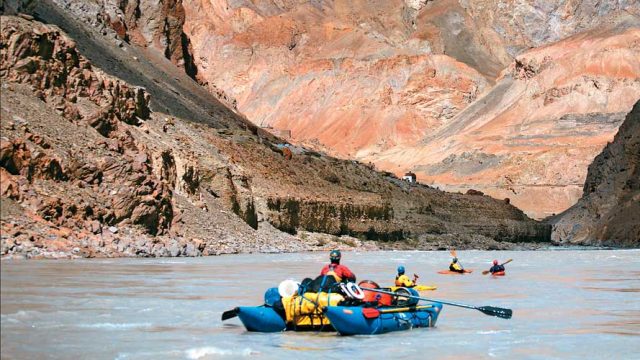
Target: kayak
[
  {"x": 449, "y": 272},
  {"x": 417, "y": 288},
  {"x": 498, "y": 273},
  {"x": 356, "y": 320}
]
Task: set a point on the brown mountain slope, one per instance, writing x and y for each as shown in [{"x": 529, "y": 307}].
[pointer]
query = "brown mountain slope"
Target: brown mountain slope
[
  {"x": 608, "y": 214},
  {"x": 379, "y": 80},
  {"x": 92, "y": 165}
]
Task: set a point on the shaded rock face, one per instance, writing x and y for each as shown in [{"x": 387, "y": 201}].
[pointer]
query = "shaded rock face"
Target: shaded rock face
[
  {"x": 406, "y": 84},
  {"x": 608, "y": 213},
  {"x": 140, "y": 182},
  {"x": 47, "y": 60},
  {"x": 147, "y": 23}
]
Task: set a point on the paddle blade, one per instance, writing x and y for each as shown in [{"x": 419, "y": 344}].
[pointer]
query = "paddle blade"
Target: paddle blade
[
  {"x": 453, "y": 253},
  {"x": 230, "y": 314},
  {"x": 485, "y": 272},
  {"x": 508, "y": 261},
  {"x": 496, "y": 311}
]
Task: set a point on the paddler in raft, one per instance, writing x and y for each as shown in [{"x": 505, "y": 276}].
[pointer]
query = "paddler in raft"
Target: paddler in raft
[
  {"x": 455, "y": 266},
  {"x": 340, "y": 272},
  {"x": 403, "y": 280},
  {"x": 496, "y": 267}
]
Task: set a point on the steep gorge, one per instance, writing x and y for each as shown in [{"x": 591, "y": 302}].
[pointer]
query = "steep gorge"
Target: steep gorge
[
  {"x": 468, "y": 94},
  {"x": 93, "y": 165}
]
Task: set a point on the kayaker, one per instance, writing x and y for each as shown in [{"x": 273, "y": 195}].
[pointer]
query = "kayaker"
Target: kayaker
[
  {"x": 340, "y": 272},
  {"x": 403, "y": 280},
  {"x": 496, "y": 267},
  {"x": 455, "y": 266}
]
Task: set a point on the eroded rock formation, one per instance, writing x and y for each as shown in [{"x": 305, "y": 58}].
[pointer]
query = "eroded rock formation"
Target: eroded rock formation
[
  {"x": 608, "y": 213},
  {"x": 89, "y": 169},
  {"x": 408, "y": 84}
]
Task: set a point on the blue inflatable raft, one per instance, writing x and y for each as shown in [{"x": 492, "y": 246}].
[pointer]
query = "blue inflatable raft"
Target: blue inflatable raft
[
  {"x": 357, "y": 320},
  {"x": 261, "y": 318}
]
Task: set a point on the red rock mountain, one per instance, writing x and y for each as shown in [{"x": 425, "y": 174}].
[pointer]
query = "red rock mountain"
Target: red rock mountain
[{"x": 513, "y": 98}]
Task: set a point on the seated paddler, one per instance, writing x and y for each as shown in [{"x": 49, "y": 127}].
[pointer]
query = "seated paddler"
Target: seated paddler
[
  {"x": 403, "y": 280},
  {"x": 341, "y": 273},
  {"x": 496, "y": 267},
  {"x": 455, "y": 266}
]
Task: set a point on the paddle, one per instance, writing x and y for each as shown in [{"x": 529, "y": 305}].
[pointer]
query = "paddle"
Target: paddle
[
  {"x": 230, "y": 314},
  {"x": 485, "y": 272},
  {"x": 455, "y": 255},
  {"x": 487, "y": 310}
]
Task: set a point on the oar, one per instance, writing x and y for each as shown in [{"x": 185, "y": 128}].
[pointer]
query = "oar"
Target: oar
[
  {"x": 230, "y": 314},
  {"x": 487, "y": 310},
  {"x": 485, "y": 272},
  {"x": 455, "y": 255}
]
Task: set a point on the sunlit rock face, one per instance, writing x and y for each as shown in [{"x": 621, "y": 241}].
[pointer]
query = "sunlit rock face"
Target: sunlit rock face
[{"x": 513, "y": 98}]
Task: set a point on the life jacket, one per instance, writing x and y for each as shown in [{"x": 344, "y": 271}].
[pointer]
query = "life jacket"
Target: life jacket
[
  {"x": 403, "y": 280},
  {"x": 455, "y": 267},
  {"x": 332, "y": 271}
]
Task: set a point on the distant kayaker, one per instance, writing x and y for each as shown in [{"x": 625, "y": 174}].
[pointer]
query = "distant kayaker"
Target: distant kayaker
[
  {"x": 403, "y": 280},
  {"x": 340, "y": 272},
  {"x": 496, "y": 267},
  {"x": 455, "y": 266}
]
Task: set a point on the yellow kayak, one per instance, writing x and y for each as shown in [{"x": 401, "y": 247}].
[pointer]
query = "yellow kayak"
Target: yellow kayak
[{"x": 417, "y": 288}]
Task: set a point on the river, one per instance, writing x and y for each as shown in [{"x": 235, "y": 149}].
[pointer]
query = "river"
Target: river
[{"x": 569, "y": 304}]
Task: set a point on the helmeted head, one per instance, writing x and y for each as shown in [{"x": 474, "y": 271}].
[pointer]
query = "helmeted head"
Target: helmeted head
[
  {"x": 455, "y": 260},
  {"x": 400, "y": 269},
  {"x": 495, "y": 262},
  {"x": 335, "y": 256}
]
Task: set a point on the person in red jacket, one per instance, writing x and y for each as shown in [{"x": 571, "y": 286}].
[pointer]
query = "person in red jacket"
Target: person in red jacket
[{"x": 340, "y": 272}]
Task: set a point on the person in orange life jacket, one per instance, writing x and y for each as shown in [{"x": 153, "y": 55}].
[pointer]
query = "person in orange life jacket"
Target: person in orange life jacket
[
  {"x": 403, "y": 280},
  {"x": 455, "y": 266},
  {"x": 340, "y": 272},
  {"x": 496, "y": 267}
]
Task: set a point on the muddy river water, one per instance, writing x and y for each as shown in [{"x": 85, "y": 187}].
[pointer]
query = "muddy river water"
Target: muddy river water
[{"x": 568, "y": 304}]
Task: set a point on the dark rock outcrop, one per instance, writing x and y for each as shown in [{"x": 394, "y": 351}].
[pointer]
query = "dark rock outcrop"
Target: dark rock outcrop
[{"x": 608, "y": 214}]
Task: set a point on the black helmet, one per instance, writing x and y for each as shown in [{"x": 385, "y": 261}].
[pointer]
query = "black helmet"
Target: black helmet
[{"x": 335, "y": 255}]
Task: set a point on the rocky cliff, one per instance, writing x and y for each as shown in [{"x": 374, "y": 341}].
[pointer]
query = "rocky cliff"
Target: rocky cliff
[
  {"x": 608, "y": 213},
  {"x": 468, "y": 94},
  {"x": 92, "y": 165}
]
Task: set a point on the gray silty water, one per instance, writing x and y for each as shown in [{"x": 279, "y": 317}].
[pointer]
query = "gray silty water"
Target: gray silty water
[{"x": 567, "y": 304}]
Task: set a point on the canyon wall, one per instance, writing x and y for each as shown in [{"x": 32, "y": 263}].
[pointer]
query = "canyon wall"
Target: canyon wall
[
  {"x": 429, "y": 85},
  {"x": 93, "y": 165},
  {"x": 608, "y": 213}
]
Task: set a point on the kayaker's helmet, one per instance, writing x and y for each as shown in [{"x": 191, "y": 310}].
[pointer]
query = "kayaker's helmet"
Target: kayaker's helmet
[
  {"x": 495, "y": 262},
  {"x": 455, "y": 260},
  {"x": 400, "y": 269},
  {"x": 335, "y": 256}
]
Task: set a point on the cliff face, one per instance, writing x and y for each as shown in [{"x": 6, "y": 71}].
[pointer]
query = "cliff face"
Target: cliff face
[
  {"x": 92, "y": 165},
  {"x": 156, "y": 25},
  {"x": 533, "y": 135},
  {"x": 608, "y": 213},
  {"x": 430, "y": 86}
]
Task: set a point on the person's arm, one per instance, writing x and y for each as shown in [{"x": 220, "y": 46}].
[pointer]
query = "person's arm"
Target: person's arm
[{"x": 347, "y": 274}]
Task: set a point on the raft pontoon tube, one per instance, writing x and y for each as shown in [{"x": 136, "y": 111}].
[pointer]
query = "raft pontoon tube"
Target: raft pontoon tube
[{"x": 358, "y": 320}]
